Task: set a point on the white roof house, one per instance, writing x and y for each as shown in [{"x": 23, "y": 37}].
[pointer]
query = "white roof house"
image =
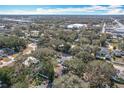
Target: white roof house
[
  {"x": 34, "y": 33},
  {"x": 2, "y": 26},
  {"x": 76, "y": 25},
  {"x": 30, "y": 60}
]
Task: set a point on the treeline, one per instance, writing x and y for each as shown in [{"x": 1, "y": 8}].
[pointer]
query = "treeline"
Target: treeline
[{"x": 12, "y": 42}]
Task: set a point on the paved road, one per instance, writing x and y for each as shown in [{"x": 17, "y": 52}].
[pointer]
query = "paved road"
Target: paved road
[
  {"x": 119, "y": 24},
  {"x": 119, "y": 63},
  {"x": 103, "y": 28},
  {"x": 64, "y": 57}
]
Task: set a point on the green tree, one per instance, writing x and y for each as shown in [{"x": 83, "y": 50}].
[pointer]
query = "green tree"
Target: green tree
[
  {"x": 75, "y": 66},
  {"x": 75, "y": 50},
  {"x": 5, "y": 77},
  {"x": 44, "y": 53},
  {"x": 85, "y": 56},
  {"x": 47, "y": 62},
  {"x": 70, "y": 81},
  {"x": 103, "y": 39},
  {"x": 12, "y": 42},
  {"x": 99, "y": 73}
]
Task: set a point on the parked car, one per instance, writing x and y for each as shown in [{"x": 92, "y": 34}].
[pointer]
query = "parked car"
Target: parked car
[
  {"x": 117, "y": 53},
  {"x": 108, "y": 57},
  {"x": 122, "y": 53}
]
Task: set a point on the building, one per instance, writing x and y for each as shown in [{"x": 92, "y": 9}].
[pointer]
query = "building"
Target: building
[
  {"x": 71, "y": 26},
  {"x": 2, "y": 26},
  {"x": 103, "y": 54},
  {"x": 34, "y": 33},
  {"x": 117, "y": 53},
  {"x": 30, "y": 60}
]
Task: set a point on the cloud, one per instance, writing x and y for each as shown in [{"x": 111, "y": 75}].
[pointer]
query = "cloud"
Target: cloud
[
  {"x": 52, "y": 11},
  {"x": 115, "y": 10},
  {"x": 70, "y": 10}
]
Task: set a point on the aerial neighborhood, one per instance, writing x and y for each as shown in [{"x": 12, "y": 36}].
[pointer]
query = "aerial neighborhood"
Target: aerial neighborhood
[{"x": 62, "y": 51}]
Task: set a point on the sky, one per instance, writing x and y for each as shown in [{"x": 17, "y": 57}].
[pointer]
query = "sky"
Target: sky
[{"x": 62, "y": 9}]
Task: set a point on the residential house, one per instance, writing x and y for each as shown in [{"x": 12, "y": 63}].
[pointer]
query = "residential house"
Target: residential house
[
  {"x": 34, "y": 33},
  {"x": 103, "y": 54}
]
